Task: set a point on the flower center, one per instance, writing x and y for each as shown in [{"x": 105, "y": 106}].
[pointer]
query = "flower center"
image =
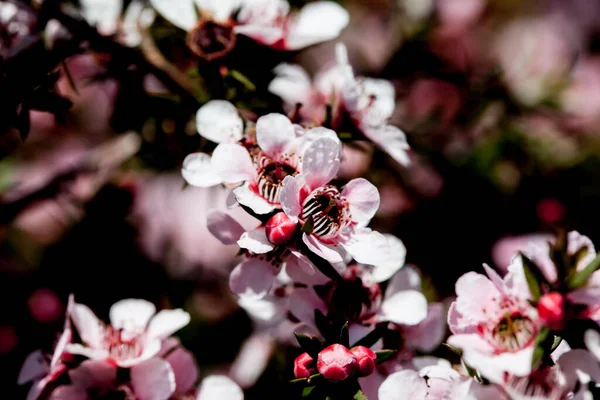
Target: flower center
[
  {"x": 512, "y": 333},
  {"x": 328, "y": 210},
  {"x": 123, "y": 347},
  {"x": 270, "y": 178},
  {"x": 211, "y": 40}
]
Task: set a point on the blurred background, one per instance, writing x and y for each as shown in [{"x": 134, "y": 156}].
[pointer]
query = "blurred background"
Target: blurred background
[{"x": 500, "y": 101}]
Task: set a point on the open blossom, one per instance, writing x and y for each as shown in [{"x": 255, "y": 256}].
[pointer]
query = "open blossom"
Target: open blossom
[
  {"x": 135, "y": 333},
  {"x": 368, "y": 103},
  {"x": 268, "y": 22},
  {"x": 494, "y": 324}
]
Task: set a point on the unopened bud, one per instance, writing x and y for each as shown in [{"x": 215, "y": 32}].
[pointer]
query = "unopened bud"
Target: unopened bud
[
  {"x": 304, "y": 366},
  {"x": 280, "y": 228},
  {"x": 336, "y": 363},
  {"x": 551, "y": 310},
  {"x": 366, "y": 360}
]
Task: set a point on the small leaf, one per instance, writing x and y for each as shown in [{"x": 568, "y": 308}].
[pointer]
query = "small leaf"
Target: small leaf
[
  {"x": 360, "y": 396},
  {"x": 580, "y": 278},
  {"x": 472, "y": 372},
  {"x": 384, "y": 355},
  {"x": 344, "y": 335},
  {"x": 310, "y": 344},
  {"x": 307, "y": 391},
  {"x": 243, "y": 79},
  {"x": 539, "y": 351},
  {"x": 557, "y": 341},
  {"x": 579, "y": 255},
  {"x": 531, "y": 276},
  {"x": 453, "y": 349},
  {"x": 315, "y": 378},
  {"x": 308, "y": 226}
]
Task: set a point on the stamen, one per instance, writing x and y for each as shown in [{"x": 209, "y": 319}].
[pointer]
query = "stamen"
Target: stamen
[
  {"x": 270, "y": 177},
  {"x": 328, "y": 210}
]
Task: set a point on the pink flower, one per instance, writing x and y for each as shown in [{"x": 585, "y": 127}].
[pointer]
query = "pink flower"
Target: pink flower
[
  {"x": 369, "y": 103},
  {"x": 336, "y": 363},
  {"x": 135, "y": 334},
  {"x": 280, "y": 228},
  {"x": 366, "y": 360},
  {"x": 494, "y": 324},
  {"x": 268, "y": 22},
  {"x": 551, "y": 309},
  {"x": 304, "y": 366}
]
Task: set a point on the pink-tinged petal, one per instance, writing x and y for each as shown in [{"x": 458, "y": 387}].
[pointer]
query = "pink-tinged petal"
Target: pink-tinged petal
[
  {"x": 586, "y": 295},
  {"x": 253, "y": 278},
  {"x": 395, "y": 260},
  {"x": 219, "y": 10},
  {"x": 300, "y": 270},
  {"x": 89, "y": 352},
  {"x": 167, "y": 322},
  {"x": 292, "y": 84},
  {"x": 34, "y": 367},
  {"x": 314, "y": 134},
  {"x": 495, "y": 278},
  {"x": 131, "y": 314},
  {"x": 322, "y": 250},
  {"x": 458, "y": 323},
  {"x": 256, "y": 241},
  {"x": 370, "y": 385},
  {"x": 219, "y": 122},
  {"x": 103, "y": 15},
  {"x": 184, "y": 368},
  {"x": 315, "y": 23},
  {"x": 368, "y": 247},
  {"x": 290, "y": 196},
  {"x": 153, "y": 380},
  {"x": 67, "y": 392},
  {"x": 219, "y": 387},
  {"x": 267, "y": 311},
  {"x": 363, "y": 198},
  {"x": 197, "y": 170},
  {"x": 384, "y": 95},
  {"x": 407, "y": 278},
  {"x": 592, "y": 342},
  {"x": 88, "y": 325},
  {"x": 427, "y": 335},
  {"x": 252, "y": 360},
  {"x": 475, "y": 293},
  {"x": 576, "y": 361},
  {"x": 152, "y": 347},
  {"x": 403, "y": 385},
  {"x": 94, "y": 374},
  {"x": 391, "y": 140},
  {"x": 65, "y": 338},
  {"x": 274, "y": 134},
  {"x": 224, "y": 227},
  {"x": 267, "y": 35},
  {"x": 233, "y": 163},
  {"x": 180, "y": 13},
  {"x": 303, "y": 303},
  {"x": 247, "y": 197},
  {"x": 321, "y": 161},
  {"x": 408, "y": 307}
]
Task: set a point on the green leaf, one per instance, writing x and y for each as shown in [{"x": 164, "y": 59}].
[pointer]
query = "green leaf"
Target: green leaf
[
  {"x": 472, "y": 372},
  {"x": 310, "y": 344},
  {"x": 308, "y": 226},
  {"x": 540, "y": 350},
  {"x": 532, "y": 273},
  {"x": 243, "y": 79},
  {"x": 308, "y": 390},
  {"x": 360, "y": 396},
  {"x": 384, "y": 355},
  {"x": 557, "y": 341},
  {"x": 579, "y": 255},
  {"x": 580, "y": 278},
  {"x": 344, "y": 335},
  {"x": 453, "y": 349}
]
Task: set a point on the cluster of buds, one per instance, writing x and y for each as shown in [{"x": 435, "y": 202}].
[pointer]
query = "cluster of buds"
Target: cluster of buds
[{"x": 337, "y": 363}]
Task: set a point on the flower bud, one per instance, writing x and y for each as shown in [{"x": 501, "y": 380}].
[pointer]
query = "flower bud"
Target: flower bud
[
  {"x": 336, "y": 363},
  {"x": 304, "y": 366},
  {"x": 366, "y": 360},
  {"x": 551, "y": 310},
  {"x": 280, "y": 228}
]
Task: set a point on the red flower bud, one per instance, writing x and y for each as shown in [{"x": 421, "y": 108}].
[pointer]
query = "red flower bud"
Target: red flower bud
[
  {"x": 366, "y": 360},
  {"x": 304, "y": 366},
  {"x": 336, "y": 363},
  {"x": 280, "y": 228},
  {"x": 551, "y": 310}
]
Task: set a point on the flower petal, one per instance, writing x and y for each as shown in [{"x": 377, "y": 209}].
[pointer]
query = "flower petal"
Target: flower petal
[
  {"x": 88, "y": 325},
  {"x": 219, "y": 10},
  {"x": 592, "y": 342},
  {"x": 290, "y": 196},
  {"x": 322, "y": 250},
  {"x": 220, "y": 122},
  {"x": 403, "y": 385},
  {"x": 34, "y": 367},
  {"x": 256, "y": 241},
  {"x": 233, "y": 163},
  {"x": 391, "y": 140},
  {"x": 153, "y": 380},
  {"x": 167, "y": 322},
  {"x": 253, "y": 278},
  {"x": 303, "y": 304},
  {"x": 408, "y": 307},
  {"x": 363, "y": 198},
  {"x": 131, "y": 314},
  {"x": 224, "y": 227},
  {"x": 316, "y": 22},
  {"x": 321, "y": 161},
  {"x": 368, "y": 247},
  {"x": 407, "y": 278},
  {"x": 104, "y": 15},
  {"x": 247, "y": 197},
  {"x": 428, "y": 334},
  {"x": 185, "y": 369},
  {"x": 180, "y": 13},
  {"x": 292, "y": 84},
  {"x": 252, "y": 359},
  {"x": 89, "y": 352},
  {"x": 198, "y": 171},
  {"x": 94, "y": 374},
  {"x": 268, "y": 310},
  {"x": 274, "y": 134},
  {"x": 395, "y": 260},
  {"x": 219, "y": 387}
]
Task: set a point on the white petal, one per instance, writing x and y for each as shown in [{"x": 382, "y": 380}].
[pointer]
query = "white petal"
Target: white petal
[
  {"x": 219, "y": 10},
  {"x": 65, "y": 338},
  {"x": 88, "y": 325},
  {"x": 153, "y": 380},
  {"x": 408, "y": 307},
  {"x": 300, "y": 270},
  {"x": 256, "y": 241},
  {"x": 592, "y": 342},
  {"x": 303, "y": 304},
  {"x": 247, "y": 197},
  {"x": 180, "y": 13},
  {"x": 89, "y": 352},
  {"x": 219, "y": 387},
  {"x": 233, "y": 163},
  {"x": 252, "y": 359},
  {"x": 407, "y": 278},
  {"x": 403, "y": 385},
  {"x": 34, "y": 367},
  {"x": 252, "y": 279},
  {"x": 267, "y": 310},
  {"x": 579, "y": 360},
  {"x": 198, "y": 171},
  {"x": 384, "y": 100},
  {"x": 395, "y": 260},
  {"x": 368, "y": 247},
  {"x": 321, "y": 161},
  {"x": 267, "y": 35},
  {"x": 292, "y": 84},
  {"x": 317, "y": 22},
  {"x": 219, "y": 122},
  {"x": 290, "y": 196},
  {"x": 137, "y": 15},
  {"x": 391, "y": 140},
  {"x": 224, "y": 227},
  {"x": 103, "y": 14},
  {"x": 326, "y": 252},
  {"x": 167, "y": 322},
  {"x": 131, "y": 314},
  {"x": 275, "y": 134},
  {"x": 363, "y": 198},
  {"x": 152, "y": 347}
]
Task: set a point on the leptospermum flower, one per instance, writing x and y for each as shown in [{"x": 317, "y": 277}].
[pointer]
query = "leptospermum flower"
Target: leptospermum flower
[
  {"x": 494, "y": 324},
  {"x": 135, "y": 333},
  {"x": 369, "y": 103},
  {"x": 269, "y": 22}
]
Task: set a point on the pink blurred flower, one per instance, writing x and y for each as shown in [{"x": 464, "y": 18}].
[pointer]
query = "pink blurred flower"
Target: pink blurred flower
[
  {"x": 8, "y": 339},
  {"x": 433, "y": 98},
  {"x": 580, "y": 99},
  {"x": 505, "y": 249},
  {"x": 458, "y": 15},
  {"x": 44, "y": 305}
]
